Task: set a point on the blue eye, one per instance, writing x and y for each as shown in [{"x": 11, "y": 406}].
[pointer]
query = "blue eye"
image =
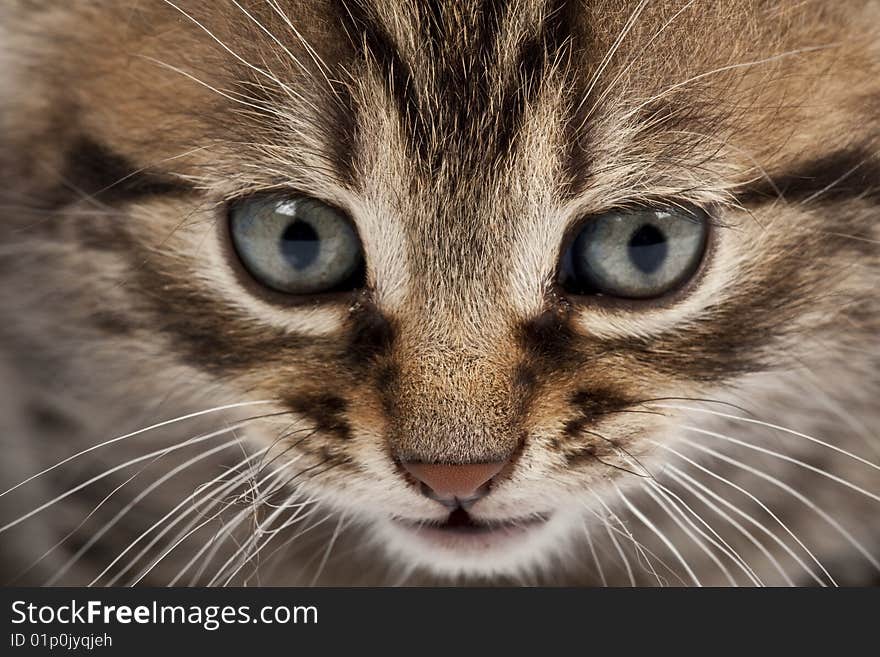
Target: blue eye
[
  {"x": 297, "y": 245},
  {"x": 638, "y": 254}
]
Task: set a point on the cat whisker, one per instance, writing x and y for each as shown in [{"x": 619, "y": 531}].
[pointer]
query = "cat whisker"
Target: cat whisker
[
  {"x": 82, "y": 522},
  {"x": 313, "y": 55},
  {"x": 846, "y": 174},
  {"x": 284, "y": 435},
  {"x": 645, "y": 474},
  {"x": 795, "y": 493},
  {"x": 617, "y": 546},
  {"x": 107, "y": 473},
  {"x": 151, "y": 165},
  {"x": 666, "y": 507},
  {"x": 785, "y": 457},
  {"x": 96, "y": 536},
  {"x": 214, "y": 544},
  {"x": 159, "y": 425},
  {"x": 269, "y": 33},
  {"x": 723, "y": 69},
  {"x": 651, "y": 401},
  {"x": 201, "y": 492},
  {"x": 770, "y": 513},
  {"x": 326, "y": 556},
  {"x": 718, "y": 540},
  {"x": 273, "y": 78},
  {"x": 609, "y": 55},
  {"x": 596, "y": 560},
  {"x": 287, "y": 542},
  {"x": 640, "y": 549},
  {"x": 757, "y": 501},
  {"x": 677, "y": 515},
  {"x": 269, "y": 504},
  {"x": 777, "y": 427},
  {"x": 632, "y": 62},
  {"x": 187, "y": 532},
  {"x": 650, "y": 525},
  {"x": 239, "y": 99},
  {"x": 261, "y": 493},
  {"x": 211, "y": 547},
  {"x": 298, "y": 535},
  {"x": 858, "y": 238},
  {"x": 262, "y": 533},
  {"x": 683, "y": 479},
  {"x": 261, "y": 536}
]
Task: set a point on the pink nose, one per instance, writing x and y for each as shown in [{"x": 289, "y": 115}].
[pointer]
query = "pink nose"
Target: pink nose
[{"x": 447, "y": 482}]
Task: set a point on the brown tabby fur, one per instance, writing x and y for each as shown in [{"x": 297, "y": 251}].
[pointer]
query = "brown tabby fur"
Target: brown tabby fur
[{"x": 466, "y": 140}]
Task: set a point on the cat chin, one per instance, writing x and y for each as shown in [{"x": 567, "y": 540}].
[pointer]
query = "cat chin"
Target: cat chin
[{"x": 505, "y": 552}]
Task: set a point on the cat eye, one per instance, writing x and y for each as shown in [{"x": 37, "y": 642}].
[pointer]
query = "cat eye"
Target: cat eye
[
  {"x": 297, "y": 245},
  {"x": 638, "y": 254}
]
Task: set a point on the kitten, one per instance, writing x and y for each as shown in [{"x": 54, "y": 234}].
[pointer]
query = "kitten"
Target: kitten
[{"x": 360, "y": 292}]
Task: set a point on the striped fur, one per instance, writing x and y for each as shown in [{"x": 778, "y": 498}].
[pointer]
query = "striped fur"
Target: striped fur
[{"x": 466, "y": 140}]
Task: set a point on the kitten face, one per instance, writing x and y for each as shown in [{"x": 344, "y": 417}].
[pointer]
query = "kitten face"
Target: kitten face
[{"x": 467, "y": 145}]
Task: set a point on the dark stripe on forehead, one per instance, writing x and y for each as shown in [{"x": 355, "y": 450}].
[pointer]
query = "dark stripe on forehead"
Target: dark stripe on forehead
[
  {"x": 374, "y": 43},
  {"x": 838, "y": 176},
  {"x": 464, "y": 109},
  {"x": 538, "y": 52},
  {"x": 94, "y": 170}
]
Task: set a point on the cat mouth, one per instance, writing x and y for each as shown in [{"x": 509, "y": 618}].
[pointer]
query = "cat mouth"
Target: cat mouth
[{"x": 462, "y": 530}]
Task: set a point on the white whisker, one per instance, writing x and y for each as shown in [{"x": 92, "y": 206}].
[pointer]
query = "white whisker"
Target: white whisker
[
  {"x": 718, "y": 540},
  {"x": 274, "y": 482},
  {"x": 683, "y": 478},
  {"x": 128, "y": 507},
  {"x": 258, "y": 533},
  {"x": 264, "y": 538},
  {"x": 724, "y": 69},
  {"x": 201, "y": 489},
  {"x": 640, "y": 550},
  {"x": 757, "y": 501},
  {"x": 107, "y": 473},
  {"x": 189, "y": 416},
  {"x": 628, "y": 67},
  {"x": 293, "y": 94},
  {"x": 676, "y": 514},
  {"x": 617, "y": 546},
  {"x": 79, "y": 526},
  {"x": 770, "y": 425},
  {"x": 751, "y": 519},
  {"x": 785, "y": 457},
  {"x": 330, "y": 544},
  {"x": 598, "y": 563},
  {"x": 313, "y": 54},
  {"x": 609, "y": 55},
  {"x": 650, "y": 525},
  {"x": 802, "y": 498}
]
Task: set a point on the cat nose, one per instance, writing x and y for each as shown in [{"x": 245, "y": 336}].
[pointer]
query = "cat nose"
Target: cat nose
[{"x": 453, "y": 485}]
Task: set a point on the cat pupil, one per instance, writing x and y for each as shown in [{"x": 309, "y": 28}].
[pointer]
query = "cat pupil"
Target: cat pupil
[
  {"x": 300, "y": 244},
  {"x": 647, "y": 248}
]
